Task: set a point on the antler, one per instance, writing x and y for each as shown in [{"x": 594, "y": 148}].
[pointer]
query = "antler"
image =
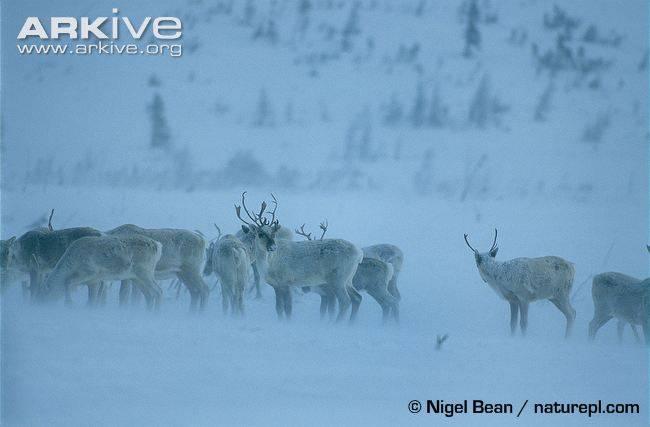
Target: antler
[
  {"x": 323, "y": 226},
  {"x": 494, "y": 243},
  {"x": 251, "y": 216},
  {"x": 467, "y": 242},
  {"x": 302, "y": 232},
  {"x": 218, "y": 231},
  {"x": 49, "y": 221}
]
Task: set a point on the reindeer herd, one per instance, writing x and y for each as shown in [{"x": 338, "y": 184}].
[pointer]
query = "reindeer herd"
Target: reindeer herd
[{"x": 52, "y": 263}]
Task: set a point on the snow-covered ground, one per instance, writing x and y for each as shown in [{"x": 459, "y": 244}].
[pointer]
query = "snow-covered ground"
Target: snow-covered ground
[{"x": 110, "y": 366}]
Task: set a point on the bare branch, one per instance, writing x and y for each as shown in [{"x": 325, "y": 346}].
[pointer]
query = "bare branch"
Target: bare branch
[{"x": 440, "y": 339}]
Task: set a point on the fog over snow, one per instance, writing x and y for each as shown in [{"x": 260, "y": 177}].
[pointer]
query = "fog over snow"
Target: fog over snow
[{"x": 379, "y": 116}]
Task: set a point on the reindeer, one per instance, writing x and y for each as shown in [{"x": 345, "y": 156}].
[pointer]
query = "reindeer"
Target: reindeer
[
  {"x": 522, "y": 280},
  {"x": 621, "y": 296},
  {"x": 373, "y": 276},
  {"x": 107, "y": 258},
  {"x": 394, "y": 256},
  {"x": 36, "y": 252},
  {"x": 283, "y": 233},
  {"x": 229, "y": 260},
  {"x": 9, "y": 276},
  {"x": 285, "y": 263},
  {"x": 182, "y": 256}
]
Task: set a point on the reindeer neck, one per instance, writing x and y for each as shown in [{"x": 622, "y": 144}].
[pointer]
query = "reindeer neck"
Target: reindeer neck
[{"x": 490, "y": 268}]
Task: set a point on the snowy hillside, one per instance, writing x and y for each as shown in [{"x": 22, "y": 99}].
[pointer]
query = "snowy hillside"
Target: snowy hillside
[{"x": 338, "y": 95}]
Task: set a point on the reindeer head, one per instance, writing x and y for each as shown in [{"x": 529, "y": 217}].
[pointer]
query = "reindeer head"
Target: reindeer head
[
  {"x": 4, "y": 252},
  {"x": 481, "y": 257},
  {"x": 261, "y": 229}
]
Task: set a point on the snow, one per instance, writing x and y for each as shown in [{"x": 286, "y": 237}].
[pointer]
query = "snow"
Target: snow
[{"x": 111, "y": 366}]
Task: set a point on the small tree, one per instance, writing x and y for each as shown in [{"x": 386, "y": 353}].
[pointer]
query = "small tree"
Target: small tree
[
  {"x": 544, "y": 103},
  {"x": 485, "y": 108},
  {"x": 438, "y": 111},
  {"x": 392, "y": 111},
  {"x": 351, "y": 28},
  {"x": 160, "y": 133},
  {"x": 472, "y": 34},
  {"x": 417, "y": 115},
  {"x": 264, "y": 115}
]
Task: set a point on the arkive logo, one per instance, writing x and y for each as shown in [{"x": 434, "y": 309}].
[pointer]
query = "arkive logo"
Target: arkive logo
[{"x": 101, "y": 28}]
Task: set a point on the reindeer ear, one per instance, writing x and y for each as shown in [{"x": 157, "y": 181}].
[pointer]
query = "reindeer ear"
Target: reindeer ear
[
  {"x": 276, "y": 227},
  {"x": 493, "y": 252},
  {"x": 245, "y": 229},
  {"x": 13, "y": 239}
]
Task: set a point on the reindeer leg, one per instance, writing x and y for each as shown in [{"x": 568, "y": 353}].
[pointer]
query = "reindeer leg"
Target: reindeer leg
[
  {"x": 523, "y": 316},
  {"x": 324, "y": 303},
  {"x": 355, "y": 298},
  {"x": 103, "y": 292},
  {"x": 279, "y": 302},
  {"x": 596, "y": 323},
  {"x": 331, "y": 304},
  {"x": 225, "y": 297},
  {"x": 25, "y": 288},
  {"x": 620, "y": 325},
  {"x": 35, "y": 284},
  {"x": 256, "y": 281},
  {"x": 288, "y": 303},
  {"x": 125, "y": 291},
  {"x": 136, "y": 294},
  {"x": 385, "y": 300},
  {"x": 92, "y": 294},
  {"x": 637, "y": 338},
  {"x": 150, "y": 289},
  {"x": 564, "y": 306},
  {"x": 514, "y": 314},
  {"x": 188, "y": 281},
  {"x": 198, "y": 286},
  {"x": 343, "y": 299}
]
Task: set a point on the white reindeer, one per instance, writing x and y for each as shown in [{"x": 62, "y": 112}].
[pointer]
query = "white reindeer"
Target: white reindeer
[
  {"x": 283, "y": 263},
  {"x": 8, "y": 275},
  {"x": 623, "y": 297},
  {"x": 183, "y": 255},
  {"x": 373, "y": 275},
  {"x": 522, "y": 280},
  {"x": 108, "y": 258},
  {"x": 36, "y": 252},
  {"x": 394, "y": 256},
  {"x": 283, "y": 233},
  {"x": 228, "y": 259}
]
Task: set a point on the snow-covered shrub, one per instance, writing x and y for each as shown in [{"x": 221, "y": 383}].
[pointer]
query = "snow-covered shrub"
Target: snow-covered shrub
[{"x": 485, "y": 108}]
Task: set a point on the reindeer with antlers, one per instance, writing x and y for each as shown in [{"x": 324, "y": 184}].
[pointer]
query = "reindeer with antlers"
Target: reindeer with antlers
[
  {"x": 282, "y": 233},
  {"x": 230, "y": 256},
  {"x": 373, "y": 276},
  {"x": 523, "y": 280},
  {"x": 284, "y": 263}
]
